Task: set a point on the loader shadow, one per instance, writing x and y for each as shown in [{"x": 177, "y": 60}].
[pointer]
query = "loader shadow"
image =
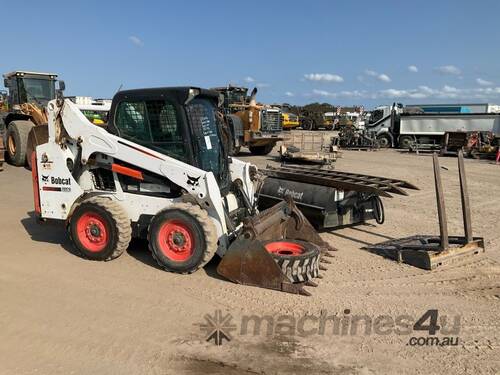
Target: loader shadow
[
  {"x": 351, "y": 239},
  {"x": 138, "y": 249},
  {"x": 244, "y": 154},
  {"x": 372, "y": 233},
  {"x": 47, "y": 232}
]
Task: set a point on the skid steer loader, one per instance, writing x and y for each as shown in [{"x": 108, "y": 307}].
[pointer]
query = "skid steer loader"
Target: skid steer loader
[{"x": 160, "y": 171}]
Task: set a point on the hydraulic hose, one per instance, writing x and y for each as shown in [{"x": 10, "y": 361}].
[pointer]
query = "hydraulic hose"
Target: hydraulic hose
[{"x": 378, "y": 208}]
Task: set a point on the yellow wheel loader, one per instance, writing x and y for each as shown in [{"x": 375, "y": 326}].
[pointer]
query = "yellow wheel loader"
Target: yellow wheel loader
[
  {"x": 253, "y": 125},
  {"x": 23, "y": 110}
]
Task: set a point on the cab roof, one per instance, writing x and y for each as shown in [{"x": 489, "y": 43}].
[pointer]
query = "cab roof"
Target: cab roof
[
  {"x": 177, "y": 94},
  {"x": 25, "y": 72}
]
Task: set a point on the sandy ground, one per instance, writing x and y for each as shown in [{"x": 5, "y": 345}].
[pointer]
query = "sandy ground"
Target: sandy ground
[{"x": 60, "y": 314}]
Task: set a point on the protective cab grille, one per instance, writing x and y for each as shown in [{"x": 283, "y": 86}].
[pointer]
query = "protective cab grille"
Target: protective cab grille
[{"x": 271, "y": 120}]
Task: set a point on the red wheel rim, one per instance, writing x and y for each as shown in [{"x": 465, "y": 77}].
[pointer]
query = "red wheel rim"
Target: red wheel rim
[
  {"x": 176, "y": 241},
  {"x": 285, "y": 248},
  {"x": 92, "y": 232}
]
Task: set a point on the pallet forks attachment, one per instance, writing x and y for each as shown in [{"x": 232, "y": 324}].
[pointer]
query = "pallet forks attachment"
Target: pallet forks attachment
[
  {"x": 248, "y": 262},
  {"x": 430, "y": 252}
]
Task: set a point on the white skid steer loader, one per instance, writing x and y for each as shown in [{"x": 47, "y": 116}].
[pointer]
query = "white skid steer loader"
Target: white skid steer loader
[{"x": 160, "y": 171}]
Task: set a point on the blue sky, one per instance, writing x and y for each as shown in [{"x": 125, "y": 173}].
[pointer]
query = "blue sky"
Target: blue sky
[{"x": 342, "y": 52}]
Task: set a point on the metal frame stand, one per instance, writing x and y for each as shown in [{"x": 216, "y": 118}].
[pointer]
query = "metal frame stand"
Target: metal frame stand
[{"x": 430, "y": 252}]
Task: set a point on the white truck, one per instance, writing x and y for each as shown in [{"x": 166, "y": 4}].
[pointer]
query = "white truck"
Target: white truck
[{"x": 398, "y": 126}]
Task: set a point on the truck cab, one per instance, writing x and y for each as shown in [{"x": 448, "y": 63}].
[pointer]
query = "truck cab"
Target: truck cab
[{"x": 382, "y": 122}]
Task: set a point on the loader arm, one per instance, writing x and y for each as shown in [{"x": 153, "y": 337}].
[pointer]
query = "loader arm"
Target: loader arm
[{"x": 66, "y": 120}]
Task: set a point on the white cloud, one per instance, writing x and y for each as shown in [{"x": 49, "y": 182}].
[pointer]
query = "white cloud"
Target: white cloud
[
  {"x": 341, "y": 94},
  {"x": 483, "y": 82},
  {"x": 135, "y": 40},
  {"x": 395, "y": 93},
  {"x": 289, "y": 94},
  {"x": 323, "y": 77},
  {"x": 384, "y": 78},
  {"x": 413, "y": 69},
  {"x": 450, "y": 89},
  {"x": 426, "y": 90},
  {"x": 324, "y": 93},
  {"x": 249, "y": 79},
  {"x": 420, "y": 92},
  {"x": 448, "y": 69},
  {"x": 380, "y": 76}
]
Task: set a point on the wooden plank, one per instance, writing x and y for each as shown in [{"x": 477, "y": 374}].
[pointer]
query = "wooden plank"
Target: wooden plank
[
  {"x": 443, "y": 222},
  {"x": 465, "y": 197}
]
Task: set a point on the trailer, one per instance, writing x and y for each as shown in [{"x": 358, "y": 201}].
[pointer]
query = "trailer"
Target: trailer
[
  {"x": 405, "y": 127},
  {"x": 309, "y": 146}
]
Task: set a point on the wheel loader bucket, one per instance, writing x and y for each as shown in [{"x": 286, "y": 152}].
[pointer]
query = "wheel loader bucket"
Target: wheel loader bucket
[{"x": 248, "y": 260}]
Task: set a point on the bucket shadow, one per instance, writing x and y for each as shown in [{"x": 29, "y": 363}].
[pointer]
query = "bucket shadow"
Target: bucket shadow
[
  {"x": 211, "y": 268},
  {"x": 138, "y": 249}
]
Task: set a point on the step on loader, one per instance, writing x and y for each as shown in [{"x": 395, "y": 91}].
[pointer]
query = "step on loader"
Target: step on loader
[{"x": 161, "y": 171}]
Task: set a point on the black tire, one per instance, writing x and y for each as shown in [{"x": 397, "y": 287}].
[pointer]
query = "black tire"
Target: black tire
[
  {"x": 384, "y": 141},
  {"x": 37, "y": 136},
  {"x": 406, "y": 141},
  {"x": 17, "y": 141},
  {"x": 378, "y": 209},
  {"x": 261, "y": 150},
  {"x": 298, "y": 268},
  {"x": 115, "y": 221},
  {"x": 308, "y": 124},
  {"x": 201, "y": 231}
]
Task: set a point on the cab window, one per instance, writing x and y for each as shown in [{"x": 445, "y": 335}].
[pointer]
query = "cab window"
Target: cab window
[
  {"x": 132, "y": 123},
  {"x": 205, "y": 133},
  {"x": 154, "y": 124}
]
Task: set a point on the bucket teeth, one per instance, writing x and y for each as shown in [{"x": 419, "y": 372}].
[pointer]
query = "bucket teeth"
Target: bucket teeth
[
  {"x": 248, "y": 262},
  {"x": 328, "y": 250},
  {"x": 323, "y": 268},
  {"x": 311, "y": 283},
  {"x": 304, "y": 292},
  {"x": 328, "y": 255}
]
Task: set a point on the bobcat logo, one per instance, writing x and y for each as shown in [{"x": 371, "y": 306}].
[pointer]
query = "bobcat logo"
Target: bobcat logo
[
  {"x": 45, "y": 178},
  {"x": 193, "y": 181}
]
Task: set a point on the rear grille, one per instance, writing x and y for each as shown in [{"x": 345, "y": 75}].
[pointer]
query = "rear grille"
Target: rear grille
[{"x": 271, "y": 121}]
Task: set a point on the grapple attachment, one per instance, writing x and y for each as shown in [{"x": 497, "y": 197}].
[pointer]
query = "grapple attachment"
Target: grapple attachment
[{"x": 276, "y": 249}]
